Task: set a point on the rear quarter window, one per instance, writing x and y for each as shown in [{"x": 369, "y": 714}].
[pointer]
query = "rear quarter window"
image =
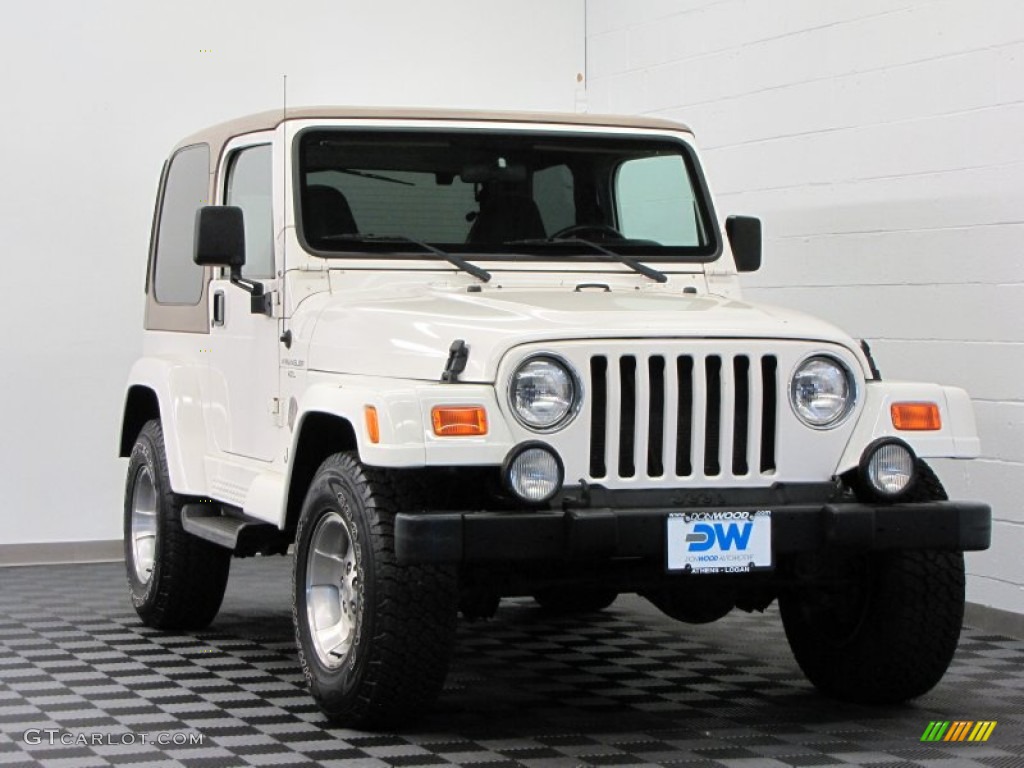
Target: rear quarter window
[{"x": 177, "y": 279}]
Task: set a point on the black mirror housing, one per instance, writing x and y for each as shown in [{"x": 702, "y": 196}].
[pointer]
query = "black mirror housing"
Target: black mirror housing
[
  {"x": 744, "y": 233},
  {"x": 220, "y": 237}
]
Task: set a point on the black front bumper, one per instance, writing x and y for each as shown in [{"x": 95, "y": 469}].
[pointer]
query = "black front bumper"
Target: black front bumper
[{"x": 605, "y": 533}]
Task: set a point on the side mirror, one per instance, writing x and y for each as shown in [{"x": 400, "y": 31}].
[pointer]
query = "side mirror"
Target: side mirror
[
  {"x": 220, "y": 242},
  {"x": 744, "y": 233},
  {"x": 220, "y": 237}
]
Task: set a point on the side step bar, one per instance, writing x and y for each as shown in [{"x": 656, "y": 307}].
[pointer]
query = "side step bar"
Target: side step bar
[{"x": 243, "y": 535}]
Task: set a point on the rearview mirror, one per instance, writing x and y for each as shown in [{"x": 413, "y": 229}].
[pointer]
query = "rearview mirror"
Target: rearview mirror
[
  {"x": 744, "y": 233},
  {"x": 482, "y": 173},
  {"x": 220, "y": 237}
]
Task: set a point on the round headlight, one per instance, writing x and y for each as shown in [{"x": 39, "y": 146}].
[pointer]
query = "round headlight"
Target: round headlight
[
  {"x": 543, "y": 393},
  {"x": 534, "y": 473},
  {"x": 822, "y": 392},
  {"x": 888, "y": 467}
]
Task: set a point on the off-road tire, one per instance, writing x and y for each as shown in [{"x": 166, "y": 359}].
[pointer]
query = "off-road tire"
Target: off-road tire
[
  {"x": 890, "y": 637},
  {"x": 406, "y": 619},
  {"x": 189, "y": 575},
  {"x": 575, "y": 599}
]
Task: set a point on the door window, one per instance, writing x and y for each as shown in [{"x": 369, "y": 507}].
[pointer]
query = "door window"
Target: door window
[{"x": 250, "y": 188}]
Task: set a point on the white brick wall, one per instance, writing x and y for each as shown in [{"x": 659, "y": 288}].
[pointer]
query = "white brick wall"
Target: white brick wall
[{"x": 881, "y": 143}]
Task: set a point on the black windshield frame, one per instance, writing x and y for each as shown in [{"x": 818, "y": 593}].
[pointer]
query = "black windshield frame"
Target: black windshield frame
[{"x": 665, "y": 255}]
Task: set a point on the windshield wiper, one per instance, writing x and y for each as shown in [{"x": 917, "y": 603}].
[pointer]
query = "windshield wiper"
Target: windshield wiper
[
  {"x": 374, "y": 176},
  {"x": 633, "y": 264},
  {"x": 478, "y": 272}
]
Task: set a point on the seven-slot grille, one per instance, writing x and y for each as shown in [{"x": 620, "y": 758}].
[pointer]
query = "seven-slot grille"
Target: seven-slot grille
[{"x": 683, "y": 416}]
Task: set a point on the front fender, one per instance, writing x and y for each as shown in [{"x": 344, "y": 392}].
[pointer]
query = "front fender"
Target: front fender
[
  {"x": 404, "y": 415},
  {"x": 957, "y": 439},
  {"x": 177, "y": 389},
  {"x": 401, "y": 437},
  {"x": 406, "y": 438}
]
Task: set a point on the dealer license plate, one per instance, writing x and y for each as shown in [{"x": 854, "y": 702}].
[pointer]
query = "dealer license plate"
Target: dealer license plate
[{"x": 720, "y": 542}]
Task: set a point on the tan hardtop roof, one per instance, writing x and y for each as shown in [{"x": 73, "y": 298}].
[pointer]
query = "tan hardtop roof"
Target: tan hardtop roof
[{"x": 217, "y": 135}]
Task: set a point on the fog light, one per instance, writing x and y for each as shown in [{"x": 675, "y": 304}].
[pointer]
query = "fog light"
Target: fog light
[
  {"x": 534, "y": 472},
  {"x": 888, "y": 467}
]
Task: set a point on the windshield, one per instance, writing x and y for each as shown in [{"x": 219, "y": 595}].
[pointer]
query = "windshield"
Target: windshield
[{"x": 502, "y": 194}]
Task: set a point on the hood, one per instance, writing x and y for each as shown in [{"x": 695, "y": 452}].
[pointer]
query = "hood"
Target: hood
[{"x": 407, "y": 333}]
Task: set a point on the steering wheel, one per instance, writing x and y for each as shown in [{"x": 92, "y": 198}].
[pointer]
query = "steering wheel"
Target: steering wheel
[{"x": 606, "y": 230}]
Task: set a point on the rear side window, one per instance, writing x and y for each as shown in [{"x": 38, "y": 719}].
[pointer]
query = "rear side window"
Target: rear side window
[
  {"x": 656, "y": 201},
  {"x": 177, "y": 278},
  {"x": 249, "y": 187}
]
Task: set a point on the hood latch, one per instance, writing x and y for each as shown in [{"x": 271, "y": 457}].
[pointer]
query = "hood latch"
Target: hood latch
[{"x": 458, "y": 354}]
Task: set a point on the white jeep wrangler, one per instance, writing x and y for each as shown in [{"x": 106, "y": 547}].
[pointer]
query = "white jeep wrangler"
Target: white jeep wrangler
[{"x": 453, "y": 357}]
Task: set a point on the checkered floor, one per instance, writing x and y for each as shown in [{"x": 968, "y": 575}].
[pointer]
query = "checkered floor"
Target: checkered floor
[{"x": 627, "y": 687}]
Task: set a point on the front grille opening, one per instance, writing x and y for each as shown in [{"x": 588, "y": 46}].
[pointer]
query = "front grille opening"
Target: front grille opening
[
  {"x": 631, "y": 397},
  {"x": 741, "y": 375},
  {"x": 627, "y": 417},
  {"x": 684, "y": 416},
  {"x": 713, "y": 377},
  {"x": 769, "y": 371},
  {"x": 656, "y": 418},
  {"x": 598, "y": 415}
]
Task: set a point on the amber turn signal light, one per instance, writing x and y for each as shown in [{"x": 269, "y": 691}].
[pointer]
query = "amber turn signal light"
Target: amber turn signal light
[
  {"x": 459, "y": 420},
  {"x": 916, "y": 417},
  {"x": 372, "y": 423}
]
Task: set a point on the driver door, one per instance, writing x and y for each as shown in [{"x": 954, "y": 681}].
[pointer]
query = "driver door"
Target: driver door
[{"x": 243, "y": 366}]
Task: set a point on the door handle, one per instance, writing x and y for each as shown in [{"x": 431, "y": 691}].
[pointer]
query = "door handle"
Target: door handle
[{"x": 218, "y": 308}]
